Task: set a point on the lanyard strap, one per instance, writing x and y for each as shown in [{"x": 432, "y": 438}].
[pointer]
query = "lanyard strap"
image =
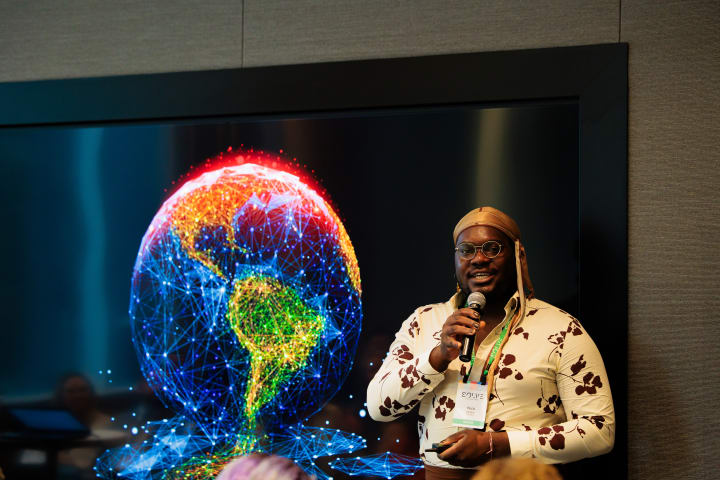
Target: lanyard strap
[
  {"x": 491, "y": 356},
  {"x": 493, "y": 353}
]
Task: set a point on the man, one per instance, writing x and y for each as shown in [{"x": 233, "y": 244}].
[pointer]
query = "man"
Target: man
[{"x": 543, "y": 380}]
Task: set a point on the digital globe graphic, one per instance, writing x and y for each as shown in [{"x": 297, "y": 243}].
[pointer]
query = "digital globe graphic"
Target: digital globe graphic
[{"x": 245, "y": 312}]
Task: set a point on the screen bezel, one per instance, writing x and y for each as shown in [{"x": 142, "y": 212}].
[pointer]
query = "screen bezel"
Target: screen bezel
[{"x": 593, "y": 76}]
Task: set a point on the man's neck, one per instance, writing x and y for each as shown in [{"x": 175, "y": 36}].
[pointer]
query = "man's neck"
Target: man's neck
[
  {"x": 493, "y": 318},
  {"x": 495, "y": 310}
]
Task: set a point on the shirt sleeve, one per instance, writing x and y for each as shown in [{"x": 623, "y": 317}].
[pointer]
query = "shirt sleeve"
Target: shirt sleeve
[
  {"x": 584, "y": 391},
  {"x": 405, "y": 376}
]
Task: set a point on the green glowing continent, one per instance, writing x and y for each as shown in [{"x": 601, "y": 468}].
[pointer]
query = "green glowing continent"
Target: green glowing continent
[{"x": 278, "y": 329}]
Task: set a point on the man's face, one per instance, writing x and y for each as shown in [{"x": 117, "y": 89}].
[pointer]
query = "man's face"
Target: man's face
[{"x": 493, "y": 277}]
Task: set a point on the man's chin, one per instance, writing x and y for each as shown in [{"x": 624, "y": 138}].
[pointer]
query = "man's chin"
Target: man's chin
[
  {"x": 492, "y": 294},
  {"x": 486, "y": 289},
  {"x": 489, "y": 290}
]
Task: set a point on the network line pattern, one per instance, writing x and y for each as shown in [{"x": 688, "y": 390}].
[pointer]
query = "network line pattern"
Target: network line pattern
[
  {"x": 245, "y": 313},
  {"x": 388, "y": 465}
]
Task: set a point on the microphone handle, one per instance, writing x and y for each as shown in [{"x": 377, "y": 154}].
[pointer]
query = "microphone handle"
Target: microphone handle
[
  {"x": 467, "y": 347},
  {"x": 469, "y": 340}
]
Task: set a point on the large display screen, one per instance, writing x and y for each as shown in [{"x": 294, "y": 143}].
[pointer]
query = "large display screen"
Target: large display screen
[
  {"x": 117, "y": 241},
  {"x": 78, "y": 201}
]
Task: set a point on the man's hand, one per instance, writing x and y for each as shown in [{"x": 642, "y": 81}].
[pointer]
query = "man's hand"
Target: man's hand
[
  {"x": 461, "y": 323},
  {"x": 471, "y": 448}
]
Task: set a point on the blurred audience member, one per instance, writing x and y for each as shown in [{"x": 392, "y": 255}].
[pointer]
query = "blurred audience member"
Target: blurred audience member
[
  {"x": 516, "y": 469},
  {"x": 76, "y": 393},
  {"x": 259, "y": 466}
]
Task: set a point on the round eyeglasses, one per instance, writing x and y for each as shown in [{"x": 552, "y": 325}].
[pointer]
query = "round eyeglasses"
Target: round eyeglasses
[{"x": 490, "y": 249}]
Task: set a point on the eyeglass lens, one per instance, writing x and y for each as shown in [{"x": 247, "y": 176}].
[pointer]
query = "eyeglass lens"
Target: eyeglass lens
[{"x": 490, "y": 249}]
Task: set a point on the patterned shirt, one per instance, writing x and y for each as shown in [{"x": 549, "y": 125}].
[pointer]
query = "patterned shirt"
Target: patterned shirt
[{"x": 551, "y": 393}]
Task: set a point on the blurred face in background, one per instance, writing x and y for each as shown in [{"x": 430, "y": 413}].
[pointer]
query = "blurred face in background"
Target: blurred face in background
[{"x": 77, "y": 395}]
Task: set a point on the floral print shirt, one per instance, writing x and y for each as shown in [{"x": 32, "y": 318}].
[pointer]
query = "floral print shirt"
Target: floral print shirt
[{"x": 551, "y": 393}]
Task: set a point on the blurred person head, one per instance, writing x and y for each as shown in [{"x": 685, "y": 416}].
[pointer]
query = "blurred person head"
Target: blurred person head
[
  {"x": 516, "y": 469},
  {"x": 76, "y": 393},
  {"x": 260, "y": 466}
]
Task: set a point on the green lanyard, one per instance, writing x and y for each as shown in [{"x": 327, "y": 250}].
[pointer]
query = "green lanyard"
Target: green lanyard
[{"x": 491, "y": 356}]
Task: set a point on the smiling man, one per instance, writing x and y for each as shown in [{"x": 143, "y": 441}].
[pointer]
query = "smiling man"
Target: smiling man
[{"x": 535, "y": 385}]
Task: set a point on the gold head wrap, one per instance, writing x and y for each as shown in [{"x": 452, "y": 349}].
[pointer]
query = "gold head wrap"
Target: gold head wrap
[{"x": 492, "y": 217}]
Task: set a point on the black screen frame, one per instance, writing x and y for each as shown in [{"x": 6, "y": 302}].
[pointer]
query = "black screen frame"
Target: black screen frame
[{"x": 594, "y": 76}]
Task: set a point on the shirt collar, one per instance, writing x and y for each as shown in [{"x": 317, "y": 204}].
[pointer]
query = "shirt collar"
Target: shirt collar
[{"x": 512, "y": 304}]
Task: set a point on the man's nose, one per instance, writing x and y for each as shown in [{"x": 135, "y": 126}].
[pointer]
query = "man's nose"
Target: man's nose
[{"x": 479, "y": 258}]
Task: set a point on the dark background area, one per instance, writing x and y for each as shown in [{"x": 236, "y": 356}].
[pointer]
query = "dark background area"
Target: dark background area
[{"x": 79, "y": 199}]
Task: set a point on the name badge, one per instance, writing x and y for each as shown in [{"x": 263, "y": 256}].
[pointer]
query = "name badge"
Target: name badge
[{"x": 470, "y": 405}]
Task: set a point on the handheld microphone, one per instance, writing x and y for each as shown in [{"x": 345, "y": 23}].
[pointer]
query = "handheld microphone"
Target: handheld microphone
[{"x": 476, "y": 301}]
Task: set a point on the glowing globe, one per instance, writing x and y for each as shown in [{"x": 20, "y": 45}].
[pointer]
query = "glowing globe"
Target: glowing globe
[{"x": 245, "y": 304}]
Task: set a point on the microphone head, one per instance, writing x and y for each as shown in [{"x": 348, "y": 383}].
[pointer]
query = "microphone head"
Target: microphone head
[{"x": 476, "y": 300}]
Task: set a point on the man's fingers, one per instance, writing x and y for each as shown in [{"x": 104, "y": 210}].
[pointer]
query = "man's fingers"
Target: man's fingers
[
  {"x": 457, "y": 454},
  {"x": 453, "y": 344},
  {"x": 469, "y": 313},
  {"x": 450, "y": 452},
  {"x": 463, "y": 321},
  {"x": 461, "y": 330},
  {"x": 453, "y": 438},
  {"x": 466, "y": 314}
]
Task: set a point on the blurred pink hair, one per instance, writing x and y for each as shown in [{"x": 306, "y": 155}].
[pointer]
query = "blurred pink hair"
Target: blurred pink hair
[{"x": 260, "y": 466}]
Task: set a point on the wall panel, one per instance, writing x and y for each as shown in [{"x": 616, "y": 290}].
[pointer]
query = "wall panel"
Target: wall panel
[
  {"x": 304, "y": 31},
  {"x": 42, "y": 39},
  {"x": 674, "y": 225}
]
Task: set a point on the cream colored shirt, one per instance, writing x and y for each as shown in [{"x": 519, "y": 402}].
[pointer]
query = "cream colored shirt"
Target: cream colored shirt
[{"x": 551, "y": 393}]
